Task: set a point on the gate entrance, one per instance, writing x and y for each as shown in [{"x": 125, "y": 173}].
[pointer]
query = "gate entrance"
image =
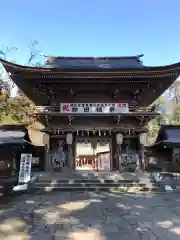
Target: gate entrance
[{"x": 93, "y": 154}]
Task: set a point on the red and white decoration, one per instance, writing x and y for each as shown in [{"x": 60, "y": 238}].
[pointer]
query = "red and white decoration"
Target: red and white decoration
[{"x": 97, "y": 108}]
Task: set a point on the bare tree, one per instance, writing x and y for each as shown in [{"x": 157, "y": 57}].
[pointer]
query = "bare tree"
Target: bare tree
[
  {"x": 34, "y": 57},
  {"x": 19, "y": 108},
  {"x": 5, "y": 51},
  {"x": 6, "y": 83}
]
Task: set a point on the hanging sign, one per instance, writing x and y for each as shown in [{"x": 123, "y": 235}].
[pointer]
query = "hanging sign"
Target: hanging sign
[
  {"x": 97, "y": 108},
  {"x": 25, "y": 168}
]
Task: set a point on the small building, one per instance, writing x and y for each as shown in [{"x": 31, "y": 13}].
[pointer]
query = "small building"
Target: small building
[
  {"x": 15, "y": 140},
  {"x": 93, "y": 103},
  {"x": 164, "y": 154}
]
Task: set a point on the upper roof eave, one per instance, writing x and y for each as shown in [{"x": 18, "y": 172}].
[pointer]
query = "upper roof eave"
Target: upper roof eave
[{"x": 13, "y": 67}]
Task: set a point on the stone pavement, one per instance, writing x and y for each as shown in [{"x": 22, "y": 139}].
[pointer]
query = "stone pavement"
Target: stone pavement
[{"x": 90, "y": 216}]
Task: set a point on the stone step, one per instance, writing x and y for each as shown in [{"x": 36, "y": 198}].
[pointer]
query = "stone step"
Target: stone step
[
  {"x": 120, "y": 182},
  {"x": 39, "y": 184},
  {"x": 96, "y": 188},
  {"x": 90, "y": 185},
  {"x": 89, "y": 175},
  {"x": 94, "y": 181}
]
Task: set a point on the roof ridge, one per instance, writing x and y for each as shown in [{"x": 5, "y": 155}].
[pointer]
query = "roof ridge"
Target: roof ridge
[{"x": 91, "y": 57}]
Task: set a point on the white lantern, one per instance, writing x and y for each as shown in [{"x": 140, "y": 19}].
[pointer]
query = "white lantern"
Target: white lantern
[
  {"x": 142, "y": 138},
  {"x": 69, "y": 138},
  {"x": 46, "y": 139},
  {"x": 119, "y": 138}
]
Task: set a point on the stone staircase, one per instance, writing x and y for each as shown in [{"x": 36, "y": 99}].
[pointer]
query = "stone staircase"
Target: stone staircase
[{"x": 111, "y": 181}]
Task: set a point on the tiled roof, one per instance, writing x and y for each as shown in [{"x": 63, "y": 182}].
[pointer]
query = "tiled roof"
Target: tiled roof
[
  {"x": 13, "y": 134},
  {"x": 169, "y": 134},
  {"x": 93, "y": 62}
]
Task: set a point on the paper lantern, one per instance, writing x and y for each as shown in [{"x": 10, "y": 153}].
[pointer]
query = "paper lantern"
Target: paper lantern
[
  {"x": 119, "y": 138},
  {"x": 142, "y": 138},
  {"x": 69, "y": 138},
  {"x": 46, "y": 139}
]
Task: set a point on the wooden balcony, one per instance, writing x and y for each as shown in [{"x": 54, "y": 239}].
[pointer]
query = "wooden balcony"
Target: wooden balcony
[{"x": 133, "y": 111}]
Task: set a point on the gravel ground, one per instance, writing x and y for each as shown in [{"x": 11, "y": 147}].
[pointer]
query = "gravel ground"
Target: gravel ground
[{"x": 90, "y": 216}]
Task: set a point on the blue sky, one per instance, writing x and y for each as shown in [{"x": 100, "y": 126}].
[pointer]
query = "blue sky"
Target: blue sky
[{"x": 93, "y": 28}]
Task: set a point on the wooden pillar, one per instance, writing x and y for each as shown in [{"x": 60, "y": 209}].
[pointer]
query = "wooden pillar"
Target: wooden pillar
[
  {"x": 70, "y": 159},
  {"x": 119, "y": 152},
  {"x": 142, "y": 141},
  {"x": 114, "y": 151},
  {"x": 71, "y": 153},
  {"x": 119, "y": 142},
  {"x": 48, "y": 163},
  {"x": 117, "y": 156},
  {"x": 46, "y": 160},
  {"x": 142, "y": 159}
]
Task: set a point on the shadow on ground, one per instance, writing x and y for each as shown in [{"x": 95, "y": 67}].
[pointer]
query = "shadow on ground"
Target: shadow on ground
[{"x": 91, "y": 216}]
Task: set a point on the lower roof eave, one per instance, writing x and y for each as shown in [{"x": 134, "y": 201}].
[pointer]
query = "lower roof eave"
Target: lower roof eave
[
  {"x": 130, "y": 114},
  {"x": 166, "y": 71},
  {"x": 75, "y": 129}
]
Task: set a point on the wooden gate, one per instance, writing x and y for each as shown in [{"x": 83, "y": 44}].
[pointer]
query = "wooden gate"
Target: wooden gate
[{"x": 88, "y": 152}]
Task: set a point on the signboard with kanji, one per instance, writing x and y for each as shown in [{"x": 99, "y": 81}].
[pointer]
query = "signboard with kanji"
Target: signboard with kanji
[
  {"x": 25, "y": 168},
  {"x": 97, "y": 108}
]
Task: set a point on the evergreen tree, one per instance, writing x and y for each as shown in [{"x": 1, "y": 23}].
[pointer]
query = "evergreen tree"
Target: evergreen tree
[{"x": 176, "y": 115}]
